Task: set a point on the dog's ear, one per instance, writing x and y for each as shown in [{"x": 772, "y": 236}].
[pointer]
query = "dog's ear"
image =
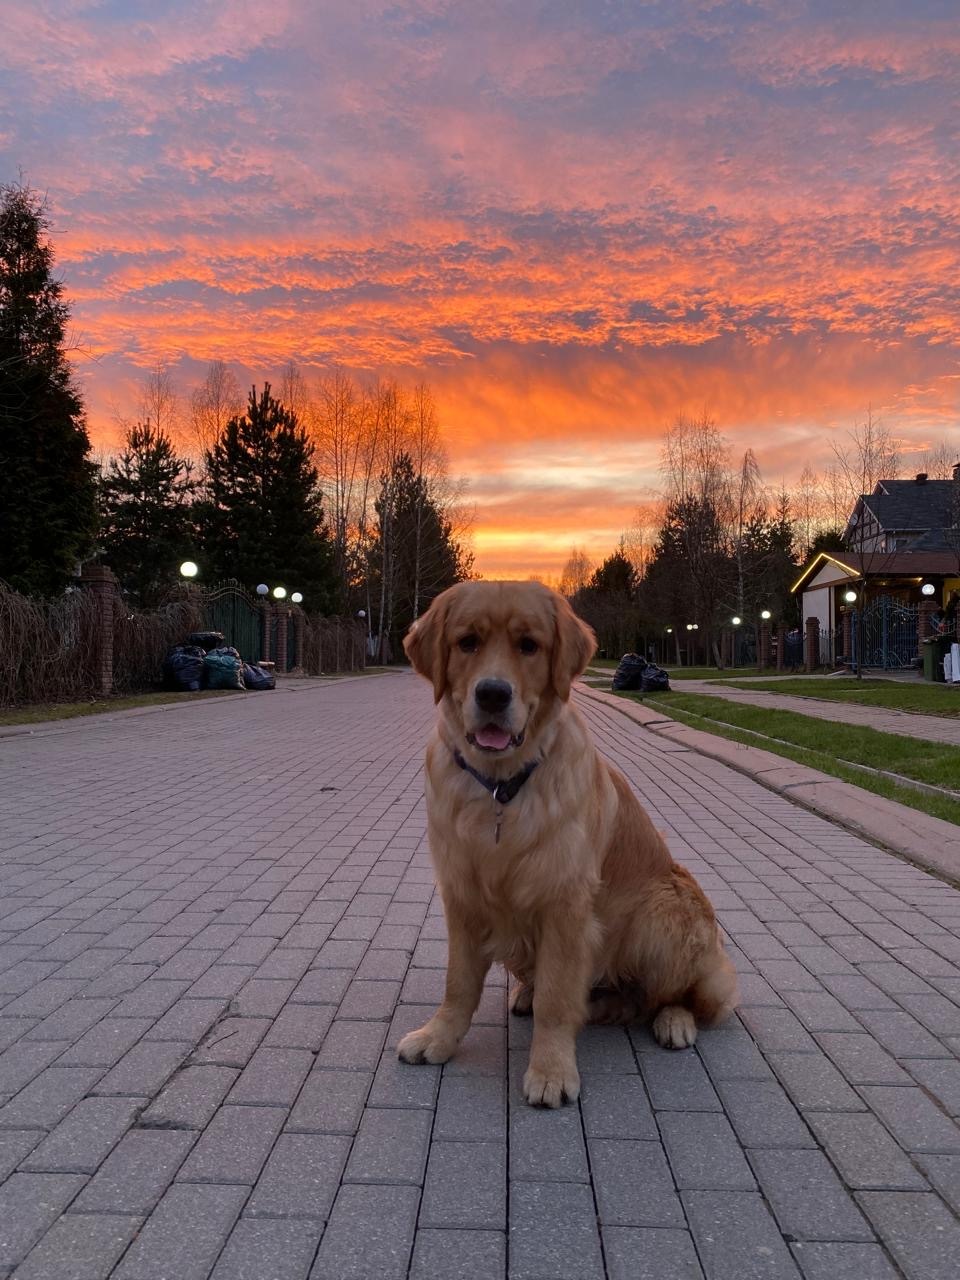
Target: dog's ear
[
  {"x": 426, "y": 646},
  {"x": 574, "y": 645}
]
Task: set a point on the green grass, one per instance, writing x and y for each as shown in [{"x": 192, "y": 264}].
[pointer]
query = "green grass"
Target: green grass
[
  {"x": 923, "y": 696},
  {"x": 44, "y": 711},
  {"x": 833, "y": 748},
  {"x": 694, "y": 673}
]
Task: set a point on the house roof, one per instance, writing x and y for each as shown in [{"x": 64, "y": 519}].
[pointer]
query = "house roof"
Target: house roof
[
  {"x": 911, "y": 507},
  {"x": 886, "y": 564}
]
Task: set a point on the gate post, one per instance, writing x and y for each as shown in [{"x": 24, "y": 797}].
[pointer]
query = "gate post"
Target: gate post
[
  {"x": 847, "y": 616},
  {"x": 781, "y": 645},
  {"x": 265, "y": 630},
  {"x": 280, "y": 657},
  {"x": 924, "y": 625},
  {"x": 763, "y": 654},
  {"x": 811, "y": 644},
  {"x": 102, "y": 584},
  {"x": 299, "y": 619}
]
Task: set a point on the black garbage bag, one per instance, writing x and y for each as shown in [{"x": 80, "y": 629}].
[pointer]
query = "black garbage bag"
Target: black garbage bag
[
  {"x": 654, "y": 680},
  {"x": 257, "y": 678},
  {"x": 629, "y": 672},
  {"x": 205, "y": 639},
  {"x": 223, "y": 669},
  {"x": 183, "y": 669}
]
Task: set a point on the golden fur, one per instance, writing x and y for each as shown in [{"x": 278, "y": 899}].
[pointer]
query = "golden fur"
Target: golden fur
[{"x": 579, "y": 897}]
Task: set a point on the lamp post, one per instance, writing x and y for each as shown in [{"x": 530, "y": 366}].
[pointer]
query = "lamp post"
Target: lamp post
[
  {"x": 279, "y": 593},
  {"x": 297, "y": 598},
  {"x": 262, "y": 589},
  {"x": 189, "y": 570}
]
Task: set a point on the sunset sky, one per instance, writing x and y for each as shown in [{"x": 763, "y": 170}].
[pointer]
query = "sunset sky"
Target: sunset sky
[{"x": 575, "y": 220}]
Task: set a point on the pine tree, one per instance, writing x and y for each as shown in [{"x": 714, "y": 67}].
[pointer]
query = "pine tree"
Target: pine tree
[
  {"x": 47, "y": 483},
  {"x": 262, "y": 519},
  {"x": 145, "y": 513}
]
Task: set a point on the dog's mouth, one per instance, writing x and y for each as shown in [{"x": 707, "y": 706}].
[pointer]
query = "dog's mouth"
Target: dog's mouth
[{"x": 494, "y": 738}]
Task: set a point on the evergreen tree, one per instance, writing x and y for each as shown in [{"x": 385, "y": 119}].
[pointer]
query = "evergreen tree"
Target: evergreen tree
[
  {"x": 262, "y": 517},
  {"x": 47, "y": 483},
  {"x": 146, "y": 522}
]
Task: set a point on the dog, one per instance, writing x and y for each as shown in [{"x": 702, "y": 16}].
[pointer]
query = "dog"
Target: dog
[{"x": 545, "y": 859}]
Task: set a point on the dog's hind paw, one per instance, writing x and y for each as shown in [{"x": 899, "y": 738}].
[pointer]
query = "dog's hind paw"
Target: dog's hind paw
[{"x": 674, "y": 1027}]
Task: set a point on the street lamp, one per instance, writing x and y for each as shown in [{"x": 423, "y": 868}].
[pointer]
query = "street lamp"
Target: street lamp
[
  {"x": 765, "y": 615},
  {"x": 279, "y": 593},
  {"x": 927, "y": 589},
  {"x": 188, "y": 569},
  {"x": 850, "y": 596},
  {"x": 262, "y": 589},
  {"x": 297, "y": 598},
  {"x": 669, "y": 630},
  {"x": 736, "y": 620}
]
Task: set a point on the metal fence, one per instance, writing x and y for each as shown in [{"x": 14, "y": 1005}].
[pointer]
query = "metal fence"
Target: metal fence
[{"x": 888, "y": 634}]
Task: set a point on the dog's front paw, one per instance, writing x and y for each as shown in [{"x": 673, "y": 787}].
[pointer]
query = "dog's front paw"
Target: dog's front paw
[
  {"x": 551, "y": 1088},
  {"x": 429, "y": 1044},
  {"x": 674, "y": 1027}
]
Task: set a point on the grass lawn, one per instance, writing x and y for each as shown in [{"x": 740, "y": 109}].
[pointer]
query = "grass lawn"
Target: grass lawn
[
  {"x": 923, "y": 696},
  {"x": 43, "y": 711},
  {"x": 828, "y": 746},
  {"x": 695, "y": 673}
]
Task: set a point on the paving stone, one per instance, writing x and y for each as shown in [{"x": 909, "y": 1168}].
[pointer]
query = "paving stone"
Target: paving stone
[
  {"x": 143, "y": 1070},
  {"x": 762, "y": 1114},
  {"x": 231, "y": 1042},
  {"x": 814, "y": 1083},
  {"x": 806, "y": 1196},
  {"x": 458, "y": 1255},
  {"x": 300, "y": 1026},
  {"x": 616, "y": 1107},
  {"x": 370, "y": 1233},
  {"x": 553, "y": 1232},
  {"x": 16, "y": 1145},
  {"x": 941, "y": 1078},
  {"x": 29, "y": 1204},
  {"x": 188, "y": 1019},
  {"x": 736, "y": 1237},
  {"x": 44, "y": 1102},
  {"x": 920, "y": 1232},
  {"x": 80, "y": 1247},
  {"x": 943, "y": 1173},
  {"x": 268, "y": 1249},
  {"x": 633, "y": 1185},
  {"x": 272, "y": 1077},
  {"x": 136, "y": 1173},
  {"x": 390, "y": 1147},
  {"x": 703, "y": 1151},
  {"x": 645, "y": 1253},
  {"x": 71, "y": 1020},
  {"x": 330, "y": 1102},
  {"x": 184, "y": 1234},
  {"x": 356, "y": 1045},
  {"x": 470, "y": 1110},
  {"x": 901, "y": 1034},
  {"x": 544, "y": 1144},
  {"x": 22, "y": 1062},
  {"x": 863, "y": 1151},
  {"x": 862, "y": 1060},
  {"x": 301, "y": 1176},
  {"x": 777, "y": 1030},
  {"x": 465, "y": 1186},
  {"x": 397, "y": 1085},
  {"x": 234, "y": 1145},
  {"x": 843, "y": 1262},
  {"x": 257, "y": 998},
  {"x": 729, "y": 1053},
  {"x": 678, "y": 1081},
  {"x": 106, "y": 1043},
  {"x": 190, "y": 1099},
  {"x": 916, "y": 1122},
  {"x": 322, "y": 986},
  {"x": 83, "y": 1140}
]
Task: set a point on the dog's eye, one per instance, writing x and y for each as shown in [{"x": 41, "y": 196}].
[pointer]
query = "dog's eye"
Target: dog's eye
[
  {"x": 528, "y": 645},
  {"x": 469, "y": 644}
]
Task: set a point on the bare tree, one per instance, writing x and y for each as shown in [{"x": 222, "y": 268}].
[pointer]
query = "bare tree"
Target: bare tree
[
  {"x": 939, "y": 461},
  {"x": 576, "y": 572},
  {"x": 808, "y": 504},
  {"x": 159, "y": 402},
  {"x": 748, "y": 499},
  {"x": 294, "y": 393},
  {"x": 212, "y": 404}
]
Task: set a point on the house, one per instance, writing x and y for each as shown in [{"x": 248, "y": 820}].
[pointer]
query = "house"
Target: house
[{"x": 902, "y": 549}]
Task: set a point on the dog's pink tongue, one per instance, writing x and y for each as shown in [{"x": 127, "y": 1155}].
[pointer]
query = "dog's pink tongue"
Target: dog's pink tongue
[{"x": 492, "y": 738}]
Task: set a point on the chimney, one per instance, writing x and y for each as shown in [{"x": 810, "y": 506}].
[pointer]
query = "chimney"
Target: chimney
[
  {"x": 922, "y": 477},
  {"x": 956, "y": 472}
]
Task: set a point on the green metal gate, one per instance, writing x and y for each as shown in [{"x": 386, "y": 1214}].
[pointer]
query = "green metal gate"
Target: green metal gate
[{"x": 232, "y": 610}]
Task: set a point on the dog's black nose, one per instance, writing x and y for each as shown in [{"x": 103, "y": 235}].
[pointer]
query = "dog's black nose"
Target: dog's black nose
[{"x": 493, "y": 695}]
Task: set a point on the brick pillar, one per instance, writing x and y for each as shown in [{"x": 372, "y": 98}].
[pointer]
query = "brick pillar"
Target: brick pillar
[
  {"x": 102, "y": 584},
  {"x": 280, "y": 657},
  {"x": 763, "y": 648},
  {"x": 265, "y": 632},
  {"x": 781, "y": 645},
  {"x": 846, "y": 616},
  {"x": 299, "y": 622},
  {"x": 811, "y": 644},
  {"x": 924, "y": 625}
]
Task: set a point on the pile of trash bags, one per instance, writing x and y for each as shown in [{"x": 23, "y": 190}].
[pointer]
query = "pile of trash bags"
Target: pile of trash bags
[
  {"x": 636, "y": 673},
  {"x": 205, "y": 662}
]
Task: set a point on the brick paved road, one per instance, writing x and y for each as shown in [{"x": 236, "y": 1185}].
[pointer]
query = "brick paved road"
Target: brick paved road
[{"x": 206, "y": 962}]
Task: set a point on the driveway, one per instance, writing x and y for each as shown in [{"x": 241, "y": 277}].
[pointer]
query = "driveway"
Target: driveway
[{"x": 217, "y": 920}]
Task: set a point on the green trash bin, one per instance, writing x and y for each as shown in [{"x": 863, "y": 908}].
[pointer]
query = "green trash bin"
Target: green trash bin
[{"x": 935, "y": 648}]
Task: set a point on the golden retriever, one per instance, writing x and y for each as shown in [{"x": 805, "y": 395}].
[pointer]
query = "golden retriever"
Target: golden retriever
[{"x": 545, "y": 859}]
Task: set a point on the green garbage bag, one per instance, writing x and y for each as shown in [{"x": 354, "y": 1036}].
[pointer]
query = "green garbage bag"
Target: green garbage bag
[{"x": 222, "y": 668}]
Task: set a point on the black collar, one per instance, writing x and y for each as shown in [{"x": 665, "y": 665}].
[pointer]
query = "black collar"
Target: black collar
[{"x": 503, "y": 791}]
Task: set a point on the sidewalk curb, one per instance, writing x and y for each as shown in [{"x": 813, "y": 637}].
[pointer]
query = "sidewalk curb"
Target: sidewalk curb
[{"x": 918, "y": 838}]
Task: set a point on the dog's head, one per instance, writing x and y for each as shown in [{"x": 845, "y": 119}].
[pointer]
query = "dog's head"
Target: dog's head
[{"x": 501, "y": 654}]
